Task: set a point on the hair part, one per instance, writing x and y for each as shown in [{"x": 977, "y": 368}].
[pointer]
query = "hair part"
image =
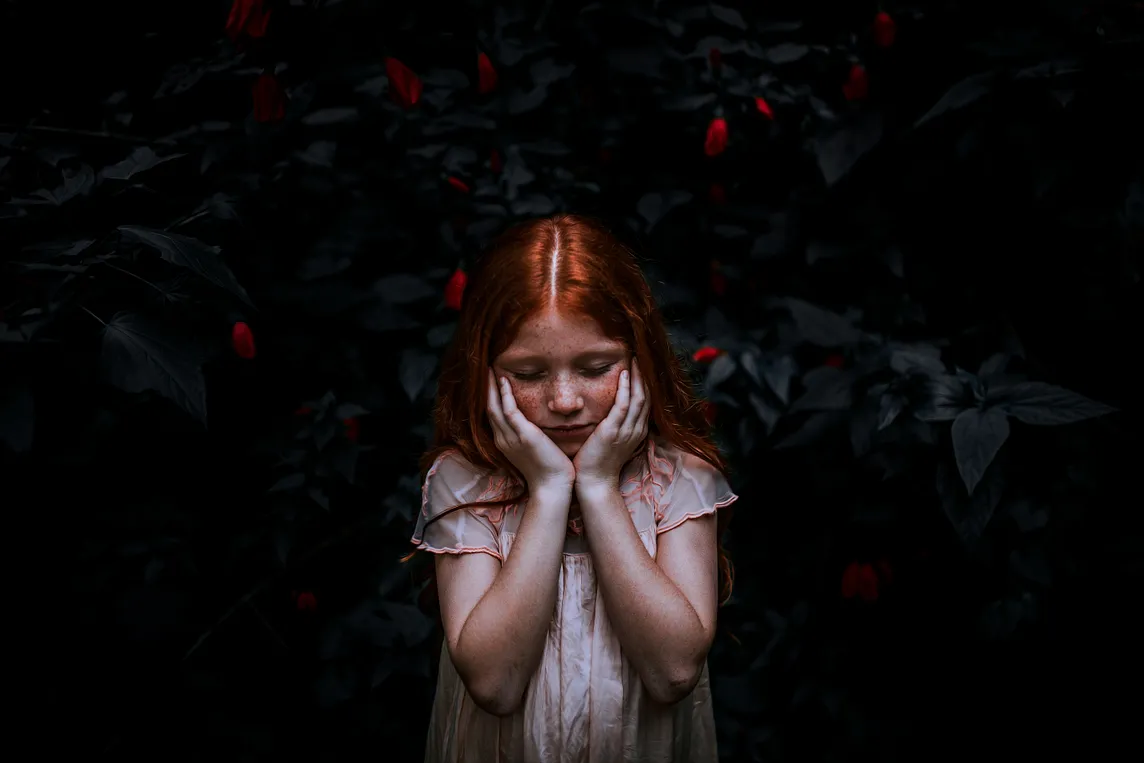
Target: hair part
[{"x": 575, "y": 265}]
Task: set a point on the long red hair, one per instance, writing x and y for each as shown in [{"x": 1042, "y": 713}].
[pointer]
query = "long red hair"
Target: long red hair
[{"x": 575, "y": 265}]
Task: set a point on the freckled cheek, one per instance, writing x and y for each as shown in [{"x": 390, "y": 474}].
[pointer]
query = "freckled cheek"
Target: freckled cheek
[{"x": 599, "y": 394}]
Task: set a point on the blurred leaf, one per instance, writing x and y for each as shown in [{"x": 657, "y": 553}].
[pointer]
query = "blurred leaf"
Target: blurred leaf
[
  {"x": 415, "y": 370},
  {"x": 17, "y": 415}
]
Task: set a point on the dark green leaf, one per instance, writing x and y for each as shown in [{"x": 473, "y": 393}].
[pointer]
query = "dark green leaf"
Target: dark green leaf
[
  {"x": 977, "y": 436},
  {"x": 139, "y": 354},
  {"x": 415, "y": 370},
  {"x": 1046, "y": 404},
  {"x": 17, "y": 416},
  {"x": 827, "y": 389},
  {"x": 403, "y": 288},
  {"x": 970, "y": 514},
  {"x": 190, "y": 253},
  {"x": 289, "y": 482},
  {"x": 962, "y": 94}
]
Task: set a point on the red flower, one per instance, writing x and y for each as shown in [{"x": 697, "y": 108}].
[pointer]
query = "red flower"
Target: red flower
[
  {"x": 860, "y": 580},
  {"x": 458, "y": 184},
  {"x": 706, "y": 354},
  {"x": 857, "y": 85},
  {"x": 716, "y": 137},
  {"x": 717, "y": 194},
  {"x": 718, "y": 280},
  {"x": 486, "y": 74},
  {"x": 834, "y": 361},
  {"x": 455, "y": 289},
  {"x": 884, "y": 29},
  {"x": 764, "y": 107},
  {"x": 605, "y": 155},
  {"x": 495, "y": 163},
  {"x": 248, "y": 18},
  {"x": 404, "y": 85},
  {"x": 305, "y": 601},
  {"x": 353, "y": 429},
  {"x": 269, "y": 99},
  {"x": 715, "y": 57},
  {"x": 242, "y": 339}
]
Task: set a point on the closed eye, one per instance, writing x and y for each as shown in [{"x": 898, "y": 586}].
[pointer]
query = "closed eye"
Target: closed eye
[{"x": 587, "y": 372}]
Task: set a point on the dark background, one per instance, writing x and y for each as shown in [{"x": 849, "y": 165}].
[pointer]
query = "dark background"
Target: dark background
[{"x": 206, "y": 544}]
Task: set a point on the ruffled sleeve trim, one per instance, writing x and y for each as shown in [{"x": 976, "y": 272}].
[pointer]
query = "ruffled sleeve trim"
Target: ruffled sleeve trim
[
  {"x": 690, "y": 487},
  {"x": 677, "y": 521},
  {"x": 451, "y": 481}
]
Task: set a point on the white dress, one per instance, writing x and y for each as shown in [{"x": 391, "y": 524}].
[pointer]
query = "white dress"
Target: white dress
[{"x": 585, "y": 703}]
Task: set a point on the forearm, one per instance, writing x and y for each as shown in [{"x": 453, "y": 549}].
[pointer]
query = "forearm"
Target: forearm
[
  {"x": 505, "y": 632},
  {"x": 659, "y": 631}
]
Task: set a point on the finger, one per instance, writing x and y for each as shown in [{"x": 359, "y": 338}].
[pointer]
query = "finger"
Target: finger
[
  {"x": 619, "y": 412},
  {"x": 517, "y": 424},
  {"x": 496, "y": 414}
]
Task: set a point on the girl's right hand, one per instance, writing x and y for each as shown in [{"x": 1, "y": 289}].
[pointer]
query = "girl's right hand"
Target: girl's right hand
[{"x": 539, "y": 459}]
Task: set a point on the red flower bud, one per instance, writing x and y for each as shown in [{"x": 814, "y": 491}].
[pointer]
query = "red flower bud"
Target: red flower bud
[
  {"x": 706, "y": 354},
  {"x": 716, "y": 140},
  {"x": 242, "y": 339},
  {"x": 884, "y": 30},
  {"x": 764, "y": 107},
  {"x": 248, "y": 18},
  {"x": 495, "y": 163},
  {"x": 455, "y": 289},
  {"x": 352, "y": 428},
  {"x": 404, "y": 85},
  {"x": 717, "y": 194},
  {"x": 860, "y": 580},
  {"x": 834, "y": 361},
  {"x": 305, "y": 601},
  {"x": 857, "y": 84},
  {"x": 458, "y": 184},
  {"x": 718, "y": 280},
  {"x": 303, "y": 410},
  {"x": 269, "y": 99},
  {"x": 486, "y": 74},
  {"x": 715, "y": 58}
]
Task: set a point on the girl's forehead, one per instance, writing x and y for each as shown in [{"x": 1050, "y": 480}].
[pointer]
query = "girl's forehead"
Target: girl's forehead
[{"x": 556, "y": 335}]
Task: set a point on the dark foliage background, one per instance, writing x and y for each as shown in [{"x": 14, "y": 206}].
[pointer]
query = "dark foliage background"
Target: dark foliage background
[{"x": 908, "y": 301}]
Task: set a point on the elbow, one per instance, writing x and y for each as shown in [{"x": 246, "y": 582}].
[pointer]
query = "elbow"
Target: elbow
[
  {"x": 499, "y": 703},
  {"x": 674, "y": 687}
]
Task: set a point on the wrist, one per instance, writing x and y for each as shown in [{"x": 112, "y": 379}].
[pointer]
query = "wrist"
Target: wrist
[
  {"x": 589, "y": 484},
  {"x": 554, "y": 489}
]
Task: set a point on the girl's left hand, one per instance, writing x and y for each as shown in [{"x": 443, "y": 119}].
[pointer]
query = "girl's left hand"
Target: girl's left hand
[{"x": 603, "y": 455}]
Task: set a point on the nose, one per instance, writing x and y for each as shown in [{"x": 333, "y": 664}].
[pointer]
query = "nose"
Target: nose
[{"x": 565, "y": 398}]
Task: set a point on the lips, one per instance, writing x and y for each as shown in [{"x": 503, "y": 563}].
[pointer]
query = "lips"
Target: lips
[{"x": 574, "y": 432}]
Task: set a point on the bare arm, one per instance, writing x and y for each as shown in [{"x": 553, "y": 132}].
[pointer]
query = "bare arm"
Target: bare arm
[
  {"x": 496, "y": 616},
  {"x": 663, "y": 611}
]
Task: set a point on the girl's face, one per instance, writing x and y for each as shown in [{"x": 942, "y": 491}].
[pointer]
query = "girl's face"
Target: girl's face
[{"x": 563, "y": 373}]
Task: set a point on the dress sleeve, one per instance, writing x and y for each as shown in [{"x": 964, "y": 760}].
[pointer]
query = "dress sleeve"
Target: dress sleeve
[
  {"x": 696, "y": 488},
  {"x": 452, "y": 481}
]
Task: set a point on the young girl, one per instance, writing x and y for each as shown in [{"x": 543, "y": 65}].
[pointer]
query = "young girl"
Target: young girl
[{"x": 571, "y": 501}]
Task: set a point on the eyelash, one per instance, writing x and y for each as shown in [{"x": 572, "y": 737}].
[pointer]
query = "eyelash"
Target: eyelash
[{"x": 590, "y": 372}]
